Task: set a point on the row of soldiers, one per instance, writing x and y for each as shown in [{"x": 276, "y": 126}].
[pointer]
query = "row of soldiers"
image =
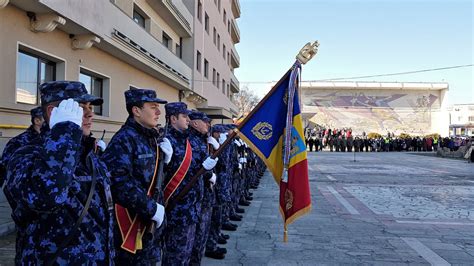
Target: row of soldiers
[
  {"x": 360, "y": 144},
  {"x": 150, "y": 195}
]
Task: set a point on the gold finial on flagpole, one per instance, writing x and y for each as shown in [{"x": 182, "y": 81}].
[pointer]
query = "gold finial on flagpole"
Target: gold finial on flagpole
[{"x": 307, "y": 52}]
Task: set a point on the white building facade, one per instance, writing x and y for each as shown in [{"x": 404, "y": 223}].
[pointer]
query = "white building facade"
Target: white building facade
[{"x": 380, "y": 107}]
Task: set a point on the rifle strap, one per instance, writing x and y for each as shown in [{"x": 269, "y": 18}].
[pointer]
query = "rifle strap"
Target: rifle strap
[
  {"x": 81, "y": 216},
  {"x": 180, "y": 174},
  {"x": 132, "y": 228}
]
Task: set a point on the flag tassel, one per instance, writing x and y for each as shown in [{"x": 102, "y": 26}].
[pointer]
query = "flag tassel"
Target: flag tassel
[{"x": 285, "y": 234}]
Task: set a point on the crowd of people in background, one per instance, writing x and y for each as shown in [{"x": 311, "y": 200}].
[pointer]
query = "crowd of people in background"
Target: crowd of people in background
[{"x": 343, "y": 140}]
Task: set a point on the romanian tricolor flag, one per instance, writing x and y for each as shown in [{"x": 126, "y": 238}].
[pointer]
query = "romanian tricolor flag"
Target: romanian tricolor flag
[{"x": 274, "y": 131}]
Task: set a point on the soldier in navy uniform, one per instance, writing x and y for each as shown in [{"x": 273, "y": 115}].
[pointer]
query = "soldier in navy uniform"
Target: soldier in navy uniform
[
  {"x": 58, "y": 189},
  {"x": 21, "y": 140},
  {"x": 203, "y": 145},
  {"x": 183, "y": 216},
  {"x": 222, "y": 190},
  {"x": 132, "y": 157}
]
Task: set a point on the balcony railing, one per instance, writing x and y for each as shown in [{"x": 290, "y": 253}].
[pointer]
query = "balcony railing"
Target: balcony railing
[
  {"x": 236, "y": 8},
  {"x": 235, "y": 33}
]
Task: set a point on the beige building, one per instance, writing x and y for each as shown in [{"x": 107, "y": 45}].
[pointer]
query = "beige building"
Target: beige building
[
  {"x": 381, "y": 107},
  {"x": 114, "y": 45},
  {"x": 215, "y": 35}
]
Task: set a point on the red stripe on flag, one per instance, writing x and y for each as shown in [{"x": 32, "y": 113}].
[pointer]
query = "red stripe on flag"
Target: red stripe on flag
[{"x": 295, "y": 196}]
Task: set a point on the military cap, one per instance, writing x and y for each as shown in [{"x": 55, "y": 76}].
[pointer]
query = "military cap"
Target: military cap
[
  {"x": 176, "y": 108},
  {"x": 230, "y": 126},
  {"x": 36, "y": 112},
  {"x": 196, "y": 115},
  {"x": 61, "y": 90},
  {"x": 141, "y": 95},
  {"x": 219, "y": 128}
]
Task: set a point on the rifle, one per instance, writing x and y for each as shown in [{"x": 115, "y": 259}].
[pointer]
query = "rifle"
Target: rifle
[
  {"x": 201, "y": 171},
  {"x": 159, "y": 180}
]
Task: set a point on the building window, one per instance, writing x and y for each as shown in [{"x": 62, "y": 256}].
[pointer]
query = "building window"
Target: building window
[
  {"x": 217, "y": 80},
  {"x": 471, "y": 119},
  {"x": 206, "y": 22},
  {"x": 178, "y": 51},
  {"x": 223, "y": 86},
  {"x": 199, "y": 11},
  {"x": 198, "y": 61},
  {"x": 214, "y": 35},
  {"x": 223, "y": 51},
  {"x": 31, "y": 71},
  {"x": 218, "y": 42},
  {"x": 167, "y": 40},
  {"x": 213, "y": 76},
  {"x": 224, "y": 17},
  {"x": 228, "y": 26},
  {"x": 206, "y": 68},
  {"x": 228, "y": 58},
  {"x": 228, "y": 92},
  {"x": 94, "y": 85},
  {"x": 138, "y": 17},
  {"x": 219, "y": 5}
]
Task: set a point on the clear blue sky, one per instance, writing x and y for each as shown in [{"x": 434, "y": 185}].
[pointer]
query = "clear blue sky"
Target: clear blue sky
[{"x": 359, "y": 38}]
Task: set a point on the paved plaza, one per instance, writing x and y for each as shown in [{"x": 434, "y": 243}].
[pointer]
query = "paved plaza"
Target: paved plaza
[{"x": 383, "y": 209}]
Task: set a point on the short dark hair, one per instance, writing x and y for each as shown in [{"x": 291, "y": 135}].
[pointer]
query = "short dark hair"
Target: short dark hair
[
  {"x": 44, "y": 108},
  {"x": 131, "y": 105}
]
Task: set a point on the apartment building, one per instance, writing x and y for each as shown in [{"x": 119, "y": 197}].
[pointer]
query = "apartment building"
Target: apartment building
[
  {"x": 215, "y": 35},
  {"x": 461, "y": 119},
  {"x": 114, "y": 45}
]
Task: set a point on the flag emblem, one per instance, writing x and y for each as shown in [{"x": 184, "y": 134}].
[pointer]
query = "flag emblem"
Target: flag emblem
[{"x": 262, "y": 130}]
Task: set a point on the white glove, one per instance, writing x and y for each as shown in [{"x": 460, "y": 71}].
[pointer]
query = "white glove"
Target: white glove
[
  {"x": 159, "y": 215},
  {"x": 240, "y": 166},
  {"x": 213, "y": 142},
  {"x": 241, "y": 160},
  {"x": 222, "y": 138},
  {"x": 241, "y": 142},
  {"x": 237, "y": 142},
  {"x": 68, "y": 110},
  {"x": 167, "y": 149},
  {"x": 213, "y": 179},
  {"x": 101, "y": 144},
  {"x": 209, "y": 163},
  {"x": 244, "y": 160}
]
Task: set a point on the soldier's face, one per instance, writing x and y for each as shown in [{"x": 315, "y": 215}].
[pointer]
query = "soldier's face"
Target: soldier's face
[
  {"x": 201, "y": 126},
  {"x": 87, "y": 116},
  {"x": 148, "y": 115},
  {"x": 181, "y": 121}
]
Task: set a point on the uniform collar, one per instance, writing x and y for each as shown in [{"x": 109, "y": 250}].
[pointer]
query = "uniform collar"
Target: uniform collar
[
  {"x": 179, "y": 134},
  {"x": 194, "y": 132},
  {"x": 148, "y": 132}
]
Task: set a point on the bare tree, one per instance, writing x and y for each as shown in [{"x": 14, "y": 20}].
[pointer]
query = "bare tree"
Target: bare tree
[{"x": 245, "y": 100}]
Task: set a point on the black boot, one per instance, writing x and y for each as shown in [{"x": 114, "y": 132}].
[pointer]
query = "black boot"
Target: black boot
[
  {"x": 221, "y": 240},
  {"x": 234, "y": 217},
  {"x": 216, "y": 254},
  {"x": 244, "y": 202},
  {"x": 222, "y": 250},
  {"x": 229, "y": 227},
  {"x": 239, "y": 210}
]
